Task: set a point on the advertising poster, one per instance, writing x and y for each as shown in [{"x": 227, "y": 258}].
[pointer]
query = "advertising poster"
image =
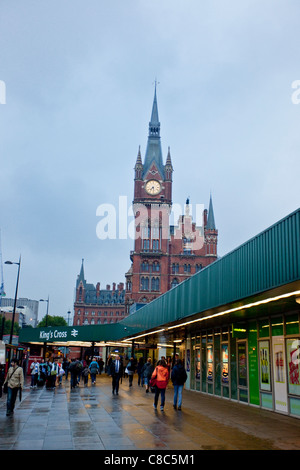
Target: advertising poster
[
  {"x": 210, "y": 363},
  {"x": 293, "y": 360},
  {"x": 279, "y": 372},
  {"x": 225, "y": 363},
  {"x": 198, "y": 364},
  {"x": 188, "y": 360},
  {"x": 264, "y": 360},
  {"x": 242, "y": 364}
]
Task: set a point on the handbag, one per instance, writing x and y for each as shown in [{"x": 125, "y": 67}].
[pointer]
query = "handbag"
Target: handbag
[
  {"x": 5, "y": 386},
  {"x": 152, "y": 383}
]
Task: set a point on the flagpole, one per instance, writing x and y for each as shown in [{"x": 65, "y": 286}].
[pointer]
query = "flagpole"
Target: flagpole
[{"x": 2, "y": 279}]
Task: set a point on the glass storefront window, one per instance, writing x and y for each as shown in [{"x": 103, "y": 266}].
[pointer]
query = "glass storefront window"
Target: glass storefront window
[
  {"x": 292, "y": 324},
  {"x": 225, "y": 364},
  {"x": 264, "y": 328},
  {"x": 265, "y": 366},
  {"x": 224, "y": 334},
  {"x": 277, "y": 326},
  {"x": 210, "y": 363},
  {"x": 293, "y": 363},
  {"x": 242, "y": 364}
]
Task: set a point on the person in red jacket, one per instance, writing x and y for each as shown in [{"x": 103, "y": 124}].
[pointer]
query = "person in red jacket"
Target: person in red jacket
[{"x": 161, "y": 377}]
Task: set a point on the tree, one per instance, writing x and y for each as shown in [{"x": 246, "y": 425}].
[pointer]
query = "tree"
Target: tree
[
  {"x": 7, "y": 327},
  {"x": 52, "y": 321}
]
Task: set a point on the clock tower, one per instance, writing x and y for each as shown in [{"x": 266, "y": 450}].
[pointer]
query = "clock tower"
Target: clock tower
[
  {"x": 147, "y": 277},
  {"x": 163, "y": 255}
]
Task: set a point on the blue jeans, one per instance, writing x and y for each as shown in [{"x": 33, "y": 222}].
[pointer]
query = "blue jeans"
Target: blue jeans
[
  {"x": 11, "y": 399},
  {"x": 162, "y": 393},
  {"x": 178, "y": 394}
]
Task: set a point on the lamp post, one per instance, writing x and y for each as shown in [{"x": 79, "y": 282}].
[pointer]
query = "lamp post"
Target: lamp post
[
  {"x": 45, "y": 344},
  {"x": 44, "y": 300},
  {"x": 15, "y": 303}
]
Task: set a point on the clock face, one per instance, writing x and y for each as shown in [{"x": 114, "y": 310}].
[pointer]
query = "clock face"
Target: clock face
[{"x": 153, "y": 187}]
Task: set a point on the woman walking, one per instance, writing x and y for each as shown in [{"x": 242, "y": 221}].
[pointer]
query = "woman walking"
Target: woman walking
[{"x": 161, "y": 377}]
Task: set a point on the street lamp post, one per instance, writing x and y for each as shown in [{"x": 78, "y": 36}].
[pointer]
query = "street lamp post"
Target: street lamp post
[
  {"x": 45, "y": 344},
  {"x": 44, "y": 300},
  {"x": 15, "y": 303}
]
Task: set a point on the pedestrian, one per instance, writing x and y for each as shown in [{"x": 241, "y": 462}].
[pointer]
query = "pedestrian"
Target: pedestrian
[
  {"x": 66, "y": 365},
  {"x": 116, "y": 371},
  {"x": 85, "y": 375},
  {"x": 130, "y": 370},
  {"x": 15, "y": 382},
  {"x": 49, "y": 365},
  {"x": 161, "y": 377},
  {"x": 42, "y": 374},
  {"x": 147, "y": 372},
  {"x": 94, "y": 369},
  {"x": 101, "y": 365},
  {"x": 139, "y": 371},
  {"x": 125, "y": 363},
  {"x": 54, "y": 372},
  {"x": 178, "y": 378},
  {"x": 34, "y": 367},
  {"x": 60, "y": 374},
  {"x": 2, "y": 377},
  {"x": 73, "y": 369},
  {"x": 108, "y": 365}
]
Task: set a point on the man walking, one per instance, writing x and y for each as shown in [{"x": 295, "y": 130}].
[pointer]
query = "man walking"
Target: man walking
[
  {"x": 178, "y": 378},
  {"x": 15, "y": 382},
  {"x": 116, "y": 373}
]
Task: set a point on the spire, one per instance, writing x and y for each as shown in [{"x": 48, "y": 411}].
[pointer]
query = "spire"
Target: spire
[
  {"x": 139, "y": 158},
  {"x": 153, "y": 151},
  {"x": 154, "y": 122},
  {"x": 138, "y": 165},
  {"x": 168, "y": 167},
  {"x": 80, "y": 278},
  {"x": 211, "y": 218}
]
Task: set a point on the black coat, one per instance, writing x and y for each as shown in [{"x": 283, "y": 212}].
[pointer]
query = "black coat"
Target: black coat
[
  {"x": 178, "y": 375},
  {"x": 113, "y": 368}
]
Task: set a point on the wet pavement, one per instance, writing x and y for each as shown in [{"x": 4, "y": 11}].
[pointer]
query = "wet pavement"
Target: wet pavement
[{"x": 91, "y": 418}]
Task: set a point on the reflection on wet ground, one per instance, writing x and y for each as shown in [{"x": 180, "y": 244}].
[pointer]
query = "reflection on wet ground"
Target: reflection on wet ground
[{"x": 92, "y": 418}]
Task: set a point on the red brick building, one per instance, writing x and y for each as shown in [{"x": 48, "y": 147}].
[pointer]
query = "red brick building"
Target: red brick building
[
  {"x": 164, "y": 255},
  {"x": 95, "y": 306}
]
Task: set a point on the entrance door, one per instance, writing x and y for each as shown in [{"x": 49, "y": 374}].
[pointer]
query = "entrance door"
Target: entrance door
[{"x": 279, "y": 374}]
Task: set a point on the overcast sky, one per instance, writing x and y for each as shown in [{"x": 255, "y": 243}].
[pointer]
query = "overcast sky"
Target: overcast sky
[{"x": 79, "y": 91}]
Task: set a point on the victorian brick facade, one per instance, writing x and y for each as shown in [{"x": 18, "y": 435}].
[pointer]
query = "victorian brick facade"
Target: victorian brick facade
[
  {"x": 164, "y": 255},
  {"x": 95, "y": 306}
]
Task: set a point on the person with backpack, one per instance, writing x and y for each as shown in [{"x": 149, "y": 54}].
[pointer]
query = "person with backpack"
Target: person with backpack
[
  {"x": 147, "y": 371},
  {"x": 178, "y": 378},
  {"x": 160, "y": 377},
  {"x": 94, "y": 369}
]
